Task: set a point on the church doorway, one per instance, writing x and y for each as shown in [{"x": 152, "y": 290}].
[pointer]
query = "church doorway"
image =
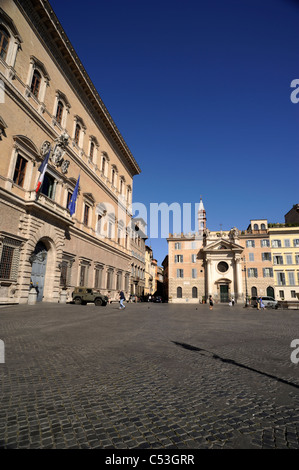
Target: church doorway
[{"x": 224, "y": 296}]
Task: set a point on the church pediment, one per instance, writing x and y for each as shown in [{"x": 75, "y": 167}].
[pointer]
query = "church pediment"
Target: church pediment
[{"x": 223, "y": 245}]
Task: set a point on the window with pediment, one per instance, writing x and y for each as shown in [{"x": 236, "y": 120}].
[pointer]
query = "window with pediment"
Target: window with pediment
[
  {"x": 38, "y": 80},
  {"x": 10, "y": 40},
  {"x": 4, "y": 42}
]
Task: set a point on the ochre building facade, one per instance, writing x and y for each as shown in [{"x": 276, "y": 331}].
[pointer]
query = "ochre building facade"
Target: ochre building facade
[{"x": 260, "y": 261}]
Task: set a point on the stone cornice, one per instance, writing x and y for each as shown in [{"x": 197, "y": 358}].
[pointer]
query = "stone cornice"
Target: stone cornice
[{"x": 45, "y": 23}]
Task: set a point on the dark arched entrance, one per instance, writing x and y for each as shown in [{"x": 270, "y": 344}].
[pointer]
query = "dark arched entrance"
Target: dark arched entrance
[
  {"x": 39, "y": 263},
  {"x": 270, "y": 292}
]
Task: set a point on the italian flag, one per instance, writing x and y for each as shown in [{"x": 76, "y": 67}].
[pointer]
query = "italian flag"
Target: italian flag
[{"x": 42, "y": 169}]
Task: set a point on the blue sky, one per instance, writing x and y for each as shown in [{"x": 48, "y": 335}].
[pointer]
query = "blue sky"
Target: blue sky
[{"x": 200, "y": 91}]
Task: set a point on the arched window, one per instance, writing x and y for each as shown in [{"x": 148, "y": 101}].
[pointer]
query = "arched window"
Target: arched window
[
  {"x": 270, "y": 292},
  {"x": 59, "y": 112},
  {"x": 255, "y": 227},
  {"x": 253, "y": 291},
  {"x": 179, "y": 293},
  {"x": 194, "y": 292},
  {"x": 263, "y": 227},
  {"x": 4, "y": 42},
  {"x": 35, "y": 83},
  {"x": 77, "y": 134}
]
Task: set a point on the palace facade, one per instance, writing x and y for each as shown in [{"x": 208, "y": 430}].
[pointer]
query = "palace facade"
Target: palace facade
[{"x": 48, "y": 103}]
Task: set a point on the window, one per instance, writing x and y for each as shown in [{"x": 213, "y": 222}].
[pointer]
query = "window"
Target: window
[
  {"x": 250, "y": 243},
  {"x": 77, "y": 134},
  {"x": 281, "y": 279},
  {"x": 97, "y": 274},
  {"x": 118, "y": 281},
  {"x": 291, "y": 278},
  {"x": 6, "y": 262},
  {"x": 103, "y": 168},
  {"x": 128, "y": 194},
  {"x": 263, "y": 227},
  {"x": 69, "y": 197},
  {"x": 4, "y": 42},
  {"x": 63, "y": 273},
  {"x": 82, "y": 276},
  {"x": 179, "y": 293},
  {"x": 255, "y": 227},
  {"x": 35, "y": 83},
  {"x": 297, "y": 259},
  {"x": 193, "y": 258},
  {"x": 194, "y": 273},
  {"x": 265, "y": 243},
  {"x": 251, "y": 256},
  {"x": 86, "y": 214},
  {"x": 276, "y": 243},
  {"x": 180, "y": 273},
  {"x": 287, "y": 243},
  {"x": 267, "y": 272},
  {"x": 194, "y": 293},
  {"x": 266, "y": 256},
  {"x": 177, "y": 246},
  {"x": 91, "y": 151},
  {"x": 289, "y": 259},
  {"x": 113, "y": 177},
  {"x": 20, "y": 171},
  {"x": 59, "y": 112},
  {"x": 252, "y": 272},
  {"x": 178, "y": 259},
  {"x": 110, "y": 229},
  {"x": 99, "y": 224},
  {"x": 296, "y": 242},
  {"x": 48, "y": 186},
  {"x": 126, "y": 282},
  {"x": 277, "y": 259},
  {"x": 293, "y": 294},
  {"x": 109, "y": 278},
  {"x": 281, "y": 294}
]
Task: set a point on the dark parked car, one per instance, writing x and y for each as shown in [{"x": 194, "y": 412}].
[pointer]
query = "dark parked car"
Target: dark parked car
[{"x": 158, "y": 298}]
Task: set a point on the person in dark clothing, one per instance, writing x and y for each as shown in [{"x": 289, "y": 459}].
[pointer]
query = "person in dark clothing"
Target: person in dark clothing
[{"x": 121, "y": 299}]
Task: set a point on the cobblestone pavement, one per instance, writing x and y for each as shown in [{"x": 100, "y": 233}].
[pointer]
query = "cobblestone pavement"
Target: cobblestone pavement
[{"x": 154, "y": 376}]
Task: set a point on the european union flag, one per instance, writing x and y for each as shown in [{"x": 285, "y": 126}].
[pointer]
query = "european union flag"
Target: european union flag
[{"x": 72, "y": 204}]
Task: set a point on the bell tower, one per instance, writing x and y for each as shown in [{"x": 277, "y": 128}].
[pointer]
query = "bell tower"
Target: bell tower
[{"x": 202, "y": 218}]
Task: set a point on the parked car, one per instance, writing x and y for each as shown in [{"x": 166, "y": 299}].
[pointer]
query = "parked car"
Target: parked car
[
  {"x": 158, "y": 298},
  {"x": 83, "y": 295},
  {"x": 267, "y": 301}
]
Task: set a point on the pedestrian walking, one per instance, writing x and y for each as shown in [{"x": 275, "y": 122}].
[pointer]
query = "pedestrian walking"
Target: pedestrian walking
[
  {"x": 258, "y": 303},
  {"x": 211, "y": 302},
  {"x": 233, "y": 301},
  {"x": 121, "y": 300}
]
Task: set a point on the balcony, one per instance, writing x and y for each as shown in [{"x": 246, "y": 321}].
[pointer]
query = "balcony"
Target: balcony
[{"x": 47, "y": 205}]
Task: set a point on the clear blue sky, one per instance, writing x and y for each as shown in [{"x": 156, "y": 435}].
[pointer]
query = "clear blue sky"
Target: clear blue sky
[{"x": 200, "y": 91}]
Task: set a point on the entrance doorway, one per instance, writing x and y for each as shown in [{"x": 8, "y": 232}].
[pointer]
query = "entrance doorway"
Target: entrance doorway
[
  {"x": 224, "y": 293},
  {"x": 38, "y": 273},
  {"x": 270, "y": 292}
]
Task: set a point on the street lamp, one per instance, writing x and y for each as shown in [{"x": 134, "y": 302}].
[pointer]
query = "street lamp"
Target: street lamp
[{"x": 246, "y": 294}]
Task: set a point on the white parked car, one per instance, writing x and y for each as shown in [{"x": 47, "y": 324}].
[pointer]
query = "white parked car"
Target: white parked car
[{"x": 267, "y": 301}]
